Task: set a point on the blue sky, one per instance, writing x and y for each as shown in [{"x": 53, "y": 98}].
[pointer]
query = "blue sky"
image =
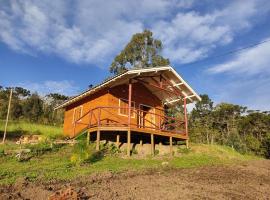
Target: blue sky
[{"x": 63, "y": 45}]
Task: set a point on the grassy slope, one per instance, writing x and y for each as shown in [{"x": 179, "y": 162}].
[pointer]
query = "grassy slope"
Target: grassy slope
[
  {"x": 57, "y": 164},
  {"x": 19, "y": 128}
]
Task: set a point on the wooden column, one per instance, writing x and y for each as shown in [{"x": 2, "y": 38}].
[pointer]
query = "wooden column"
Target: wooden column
[
  {"x": 152, "y": 144},
  {"x": 186, "y": 119},
  {"x": 171, "y": 146},
  {"x": 129, "y": 116},
  {"x": 128, "y": 142},
  {"x": 98, "y": 140},
  {"x": 187, "y": 145},
  {"x": 141, "y": 142},
  {"x": 88, "y": 138},
  {"x": 117, "y": 140}
]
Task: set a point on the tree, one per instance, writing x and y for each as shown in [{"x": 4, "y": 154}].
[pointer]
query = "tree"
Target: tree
[
  {"x": 33, "y": 108},
  {"x": 142, "y": 51},
  {"x": 202, "y": 121}
]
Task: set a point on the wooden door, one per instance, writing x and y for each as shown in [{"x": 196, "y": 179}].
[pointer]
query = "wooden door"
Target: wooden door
[{"x": 147, "y": 116}]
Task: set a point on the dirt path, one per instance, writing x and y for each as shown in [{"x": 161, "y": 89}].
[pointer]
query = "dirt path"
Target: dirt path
[{"x": 244, "y": 181}]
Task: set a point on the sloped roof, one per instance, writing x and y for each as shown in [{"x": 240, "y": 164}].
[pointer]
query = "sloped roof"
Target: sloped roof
[{"x": 171, "y": 75}]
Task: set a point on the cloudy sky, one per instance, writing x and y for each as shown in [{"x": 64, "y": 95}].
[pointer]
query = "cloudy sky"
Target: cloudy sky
[{"x": 63, "y": 45}]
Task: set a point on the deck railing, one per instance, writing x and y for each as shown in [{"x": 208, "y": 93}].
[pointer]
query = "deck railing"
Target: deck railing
[{"x": 110, "y": 116}]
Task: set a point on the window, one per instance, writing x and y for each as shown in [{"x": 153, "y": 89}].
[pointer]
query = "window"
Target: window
[
  {"x": 123, "y": 110},
  {"x": 77, "y": 114}
]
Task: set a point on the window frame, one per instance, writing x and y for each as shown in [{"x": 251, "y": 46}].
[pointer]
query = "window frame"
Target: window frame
[
  {"x": 119, "y": 110},
  {"x": 74, "y": 112}
]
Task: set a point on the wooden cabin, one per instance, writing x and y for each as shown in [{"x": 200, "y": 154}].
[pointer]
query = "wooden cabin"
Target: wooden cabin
[{"x": 131, "y": 105}]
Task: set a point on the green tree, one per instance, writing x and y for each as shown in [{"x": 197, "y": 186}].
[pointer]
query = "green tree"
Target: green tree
[
  {"x": 201, "y": 121},
  {"x": 33, "y": 108},
  {"x": 142, "y": 51}
]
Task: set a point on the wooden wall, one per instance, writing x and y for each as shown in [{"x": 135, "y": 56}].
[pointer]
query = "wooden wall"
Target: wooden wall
[{"x": 110, "y": 97}]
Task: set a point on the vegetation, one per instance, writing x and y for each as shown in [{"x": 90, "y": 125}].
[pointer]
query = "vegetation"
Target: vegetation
[
  {"x": 142, "y": 51},
  {"x": 245, "y": 130},
  {"x": 57, "y": 162},
  {"x": 31, "y": 107},
  {"x": 17, "y": 128}
]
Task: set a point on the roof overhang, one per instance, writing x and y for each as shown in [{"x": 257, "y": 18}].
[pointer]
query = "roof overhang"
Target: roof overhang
[{"x": 176, "y": 83}]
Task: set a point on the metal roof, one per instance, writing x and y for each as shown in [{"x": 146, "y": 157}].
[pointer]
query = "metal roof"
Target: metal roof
[{"x": 175, "y": 79}]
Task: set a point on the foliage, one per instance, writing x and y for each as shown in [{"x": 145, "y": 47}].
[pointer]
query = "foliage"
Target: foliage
[
  {"x": 231, "y": 125},
  {"x": 142, "y": 51},
  {"x": 31, "y": 107}
]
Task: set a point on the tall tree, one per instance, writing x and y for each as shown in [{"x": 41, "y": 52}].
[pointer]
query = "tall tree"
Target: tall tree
[{"x": 142, "y": 51}]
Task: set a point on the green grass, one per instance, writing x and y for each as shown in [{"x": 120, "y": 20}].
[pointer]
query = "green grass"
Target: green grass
[
  {"x": 56, "y": 164},
  {"x": 17, "y": 128}
]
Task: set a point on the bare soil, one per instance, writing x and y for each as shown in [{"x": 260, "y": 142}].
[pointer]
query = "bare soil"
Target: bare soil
[{"x": 249, "y": 180}]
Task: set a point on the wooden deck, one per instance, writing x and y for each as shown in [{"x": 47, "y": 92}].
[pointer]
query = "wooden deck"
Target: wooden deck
[
  {"x": 98, "y": 121},
  {"x": 139, "y": 130}
]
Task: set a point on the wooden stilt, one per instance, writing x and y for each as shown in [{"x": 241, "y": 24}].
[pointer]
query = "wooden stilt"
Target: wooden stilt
[
  {"x": 187, "y": 145},
  {"x": 98, "y": 140},
  {"x": 171, "y": 146},
  {"x": 141, "y": 142},
  {"x": 128, "y": 142},
  {"x": 88, "y": 138},
  {"x": 117, "y": 141},
  {"x": 152, "y": 144}
]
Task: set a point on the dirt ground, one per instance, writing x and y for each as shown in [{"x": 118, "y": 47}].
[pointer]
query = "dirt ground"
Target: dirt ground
[{"x": 242, "y": 181}]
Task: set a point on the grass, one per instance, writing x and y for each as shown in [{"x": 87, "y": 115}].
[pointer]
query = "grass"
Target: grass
[
  {"x": 46, "y": 163},
  {"x": 18, "y": 128},
  {"x": 56, "y": 164}
]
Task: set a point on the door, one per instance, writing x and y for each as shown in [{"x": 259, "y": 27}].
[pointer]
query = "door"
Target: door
[{"x": 147, "y": 116}]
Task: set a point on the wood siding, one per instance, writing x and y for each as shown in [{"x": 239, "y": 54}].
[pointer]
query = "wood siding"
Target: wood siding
[{"x": 110, "y": 97}]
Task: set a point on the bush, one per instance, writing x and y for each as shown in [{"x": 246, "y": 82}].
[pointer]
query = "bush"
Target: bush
[{"x": 80, "y": 153}]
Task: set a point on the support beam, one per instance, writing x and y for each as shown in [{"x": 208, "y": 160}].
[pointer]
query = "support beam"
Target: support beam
[
  {"x": 186, "y": 119},
  {"x": 117, "y": 140},
  {"x": 152, "y": 145},
  {"x": 129, "y": 102},
  {"x": 88, "y": 138},
  {"x": 128, "y": 142},
  {"x": 187, "y": 144},
  {"x": 141, "y": 142},
  {"x": 171, "y": 146},
  {"x": 98, "y": 140}
]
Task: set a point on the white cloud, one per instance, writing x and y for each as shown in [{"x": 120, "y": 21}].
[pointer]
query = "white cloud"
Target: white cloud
[
  {"x": 252, "y": 92},
  {"x": 93, "y": 31},
  {"x": 190, "y": 36},
  {"x": 62, "y": 87},
  {"x": 249, "y": 62}
]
